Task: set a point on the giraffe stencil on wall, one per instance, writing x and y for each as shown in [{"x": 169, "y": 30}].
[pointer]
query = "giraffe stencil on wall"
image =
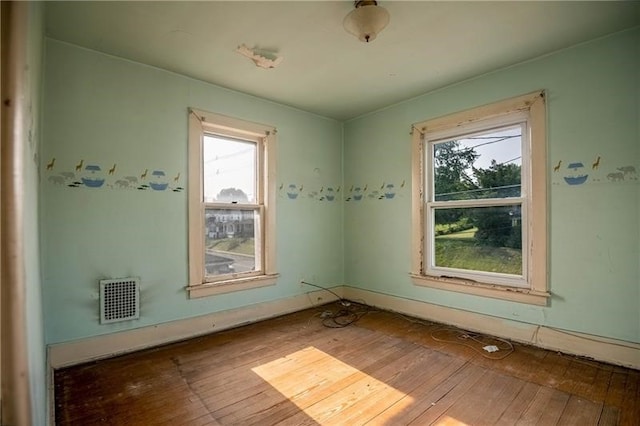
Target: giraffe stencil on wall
[
  {"x": 602, "y": 171},
  {"x": 93, "y": 176}
]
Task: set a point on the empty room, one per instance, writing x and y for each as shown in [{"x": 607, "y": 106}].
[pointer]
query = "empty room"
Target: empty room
[{"x": 320, "y": 212}]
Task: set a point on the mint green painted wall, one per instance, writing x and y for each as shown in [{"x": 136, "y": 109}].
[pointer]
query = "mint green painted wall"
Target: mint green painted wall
[
  {"x": 103, "y": 110},
  {"x": 593, "y": 109},
  {"x": 34, "y": 321}
]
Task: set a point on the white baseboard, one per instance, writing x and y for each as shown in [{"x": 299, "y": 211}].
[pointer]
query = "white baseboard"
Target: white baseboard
[
  {"x": 613, "y": 351},
  {"x": 108, "y": 345}
]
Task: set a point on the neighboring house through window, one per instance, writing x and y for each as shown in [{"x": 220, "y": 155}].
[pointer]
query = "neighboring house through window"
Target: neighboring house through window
[
  {"x": 231, "y": 204},
  {"x": 479, "y": 201}
]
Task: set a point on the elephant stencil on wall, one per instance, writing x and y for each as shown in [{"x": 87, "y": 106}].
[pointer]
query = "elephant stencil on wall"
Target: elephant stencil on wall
[{"x": 92, "y": 175}]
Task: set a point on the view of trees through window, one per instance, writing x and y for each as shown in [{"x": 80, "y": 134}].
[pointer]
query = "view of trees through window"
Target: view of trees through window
[{"x": 481, "y": 174}]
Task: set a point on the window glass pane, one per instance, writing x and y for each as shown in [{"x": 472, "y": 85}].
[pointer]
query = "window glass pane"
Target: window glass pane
[
  {"x": 229, "y": 167},
  {"x": 230, "y": 241},
  {"x": 487, "y": 239},
  {"x": 480, "y": 165}
]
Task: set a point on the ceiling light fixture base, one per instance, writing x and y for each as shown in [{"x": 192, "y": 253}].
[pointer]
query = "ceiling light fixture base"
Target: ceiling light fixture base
[{"x": 366, "y": 20}]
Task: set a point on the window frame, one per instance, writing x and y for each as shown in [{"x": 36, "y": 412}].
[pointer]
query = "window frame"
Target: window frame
[
  {"x": 203, "y": 123},
  {"x": 533, "y": 288}
]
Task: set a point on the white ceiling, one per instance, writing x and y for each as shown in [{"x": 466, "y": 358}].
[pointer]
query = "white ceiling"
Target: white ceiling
[{"x": 325, "y": 70}]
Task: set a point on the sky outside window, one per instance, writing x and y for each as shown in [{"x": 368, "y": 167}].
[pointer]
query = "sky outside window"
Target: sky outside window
[
  {"x": 503, "y": 145},
  {"x": 229, "y": 163}
]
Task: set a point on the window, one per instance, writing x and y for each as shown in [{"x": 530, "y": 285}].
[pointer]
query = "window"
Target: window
[
  {"x": 231, "y": 204},
  {"x": 479, "y": 201}
]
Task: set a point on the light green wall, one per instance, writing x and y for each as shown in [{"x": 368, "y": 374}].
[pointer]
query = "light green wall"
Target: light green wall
[
  {"x": 593, "y": 100},
  {"x": 105, "y": 111}
]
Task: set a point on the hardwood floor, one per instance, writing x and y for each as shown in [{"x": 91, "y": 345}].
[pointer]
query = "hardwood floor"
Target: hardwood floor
[{"x": 383, "y": 370}]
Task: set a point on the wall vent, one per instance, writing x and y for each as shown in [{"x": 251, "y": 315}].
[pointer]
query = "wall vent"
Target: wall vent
[{"x": 119, "y": 300}]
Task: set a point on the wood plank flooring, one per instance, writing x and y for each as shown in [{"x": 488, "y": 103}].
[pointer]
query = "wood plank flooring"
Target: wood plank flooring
[{"x": 383, "y": 370}]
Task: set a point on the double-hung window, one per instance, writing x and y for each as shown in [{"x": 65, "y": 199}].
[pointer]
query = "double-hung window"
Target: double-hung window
[
  {"x": 231, "y": 204},
  {"x": 479, "y": 201}
]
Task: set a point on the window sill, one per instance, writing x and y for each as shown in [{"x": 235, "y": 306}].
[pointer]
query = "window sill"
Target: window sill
[
  {"x": 513, "y": 294},
  {"x": 221, "y": 287}
]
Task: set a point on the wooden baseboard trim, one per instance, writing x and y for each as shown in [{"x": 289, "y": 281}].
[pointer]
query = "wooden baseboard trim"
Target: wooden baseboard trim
[
  {"x": 108, "y": 345},
  {"x": 613, "y": 351}
]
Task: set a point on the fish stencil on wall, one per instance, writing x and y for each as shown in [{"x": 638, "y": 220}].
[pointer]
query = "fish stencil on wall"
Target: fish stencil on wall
[{"x": 92, "y": 175}]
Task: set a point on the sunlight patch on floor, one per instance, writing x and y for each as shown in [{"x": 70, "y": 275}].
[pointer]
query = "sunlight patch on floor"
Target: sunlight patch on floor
[{"x": 327, "y": 389}]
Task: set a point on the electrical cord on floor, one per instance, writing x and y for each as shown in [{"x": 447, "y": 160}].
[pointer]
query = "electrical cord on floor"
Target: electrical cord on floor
[
  {"x": 465, "y": 338},
  {"x": 348, "y": 312},
  {"x": 340, "y": 299},
  {"x": 508, "y": 346},
  {"x": 345, "y": 316}
]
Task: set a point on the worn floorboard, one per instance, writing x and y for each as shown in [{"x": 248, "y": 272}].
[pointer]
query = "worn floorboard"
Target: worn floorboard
[{"x": 385, "y": 369}]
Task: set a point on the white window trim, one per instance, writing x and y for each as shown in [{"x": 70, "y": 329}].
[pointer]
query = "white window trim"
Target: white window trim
[
  {"x": 536, "y": 291},
  {"x": 201, "y": 122}
]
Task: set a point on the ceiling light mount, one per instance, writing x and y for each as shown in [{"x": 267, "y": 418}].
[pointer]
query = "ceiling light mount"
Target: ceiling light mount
[{"x": 366, "y": 20}]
